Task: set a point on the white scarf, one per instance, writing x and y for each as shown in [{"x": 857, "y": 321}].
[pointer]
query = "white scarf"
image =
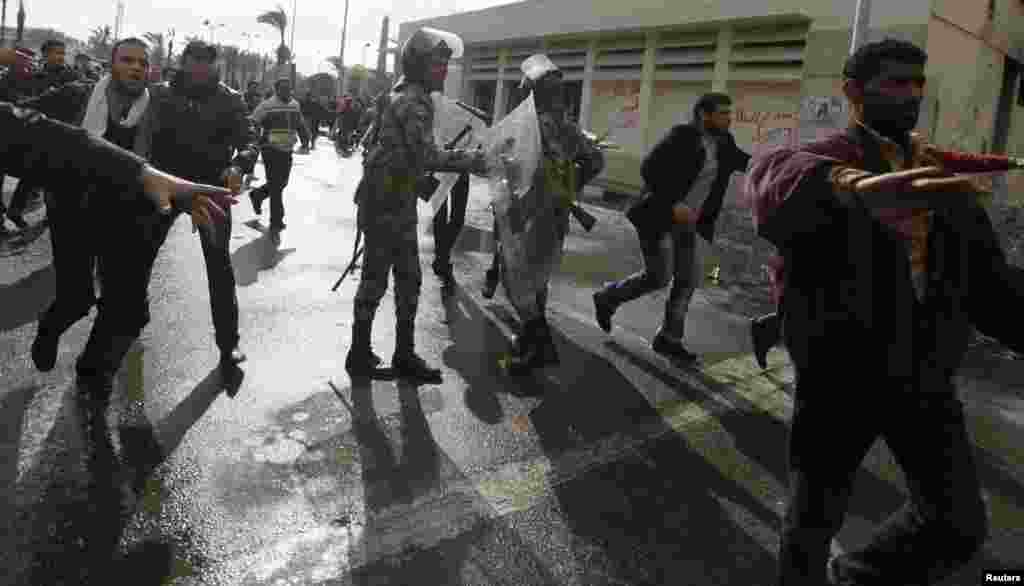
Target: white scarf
[{"x": 97, "y": 112}]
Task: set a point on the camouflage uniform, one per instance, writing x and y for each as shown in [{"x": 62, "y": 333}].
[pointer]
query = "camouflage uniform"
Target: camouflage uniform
[{"x": 405, "y": 151}]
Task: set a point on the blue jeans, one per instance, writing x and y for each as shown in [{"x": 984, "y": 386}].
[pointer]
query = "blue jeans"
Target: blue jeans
[{"x": 672, "y": 257}]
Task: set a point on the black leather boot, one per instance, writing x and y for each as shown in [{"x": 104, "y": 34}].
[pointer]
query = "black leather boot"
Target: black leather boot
[
  {"x": 406, "y": 363},
  {"x": 361, "y": 361},
  {"x": 533, "y": 349}
]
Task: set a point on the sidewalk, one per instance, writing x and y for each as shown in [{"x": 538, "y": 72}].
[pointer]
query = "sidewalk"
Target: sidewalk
[{"x": 991, "y": 380}]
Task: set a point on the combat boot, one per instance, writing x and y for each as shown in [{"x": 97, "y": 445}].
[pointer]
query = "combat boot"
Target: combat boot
[
  {"x": 361, "y": 361},
  {"x": 533, "y": 349},
  {"x": 406, "y": 363}
]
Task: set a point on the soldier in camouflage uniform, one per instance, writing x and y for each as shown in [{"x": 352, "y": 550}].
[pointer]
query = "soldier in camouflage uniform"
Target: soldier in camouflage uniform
[
  {"x": 402, "y": 152},
  {"x": 570, "y": 161}
]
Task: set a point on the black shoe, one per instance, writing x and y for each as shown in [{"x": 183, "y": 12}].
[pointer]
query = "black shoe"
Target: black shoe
[
  {"x": 365, "y": 363},
  {"x": 674, "y": 351},
  {"x": 44, "y": 349},
  {"x": 257, "y": 202},
  {"x": 18, "y": 221},
  {"x": 533, "y": 349},
  {"x": 232, "y": 357},
  {"x": 763, "y": 340},
  {"x": 604, "y": 311},
  {"x": 490, "y": 283},
  {"x": 411, "y": 366}
]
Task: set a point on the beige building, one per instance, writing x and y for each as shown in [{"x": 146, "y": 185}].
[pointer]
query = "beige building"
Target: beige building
[{"x": 636, "y": 68}]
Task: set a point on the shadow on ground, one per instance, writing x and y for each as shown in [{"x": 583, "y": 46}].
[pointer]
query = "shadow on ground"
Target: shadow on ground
[{"x": 67, "y": 516}]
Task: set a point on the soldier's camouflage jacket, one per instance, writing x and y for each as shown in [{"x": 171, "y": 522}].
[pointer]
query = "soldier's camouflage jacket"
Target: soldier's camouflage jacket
[
  {"x": 570, "y": 161},
  {"x": 405, "y": 151}
]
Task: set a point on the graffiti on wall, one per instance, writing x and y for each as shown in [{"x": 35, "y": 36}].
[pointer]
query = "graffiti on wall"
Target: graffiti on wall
[
  {"x": 821, "y": 116},
  {"x": 763, "y": 130},
  {"x": 624, "y": 123}
]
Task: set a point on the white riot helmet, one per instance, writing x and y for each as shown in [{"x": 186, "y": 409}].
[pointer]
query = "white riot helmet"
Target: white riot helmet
[{"x": 423, "y": 46}]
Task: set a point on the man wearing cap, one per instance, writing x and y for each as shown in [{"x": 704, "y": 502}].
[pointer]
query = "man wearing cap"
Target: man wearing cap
[
  {"x": 201, "y": 131},
  {"x": 280, "y": 118},
  {"x": 401, "y": 151},
  {"x": 569, "y": 161}
]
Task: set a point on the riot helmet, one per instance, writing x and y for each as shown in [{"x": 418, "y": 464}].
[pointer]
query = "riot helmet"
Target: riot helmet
[
  {"x": 542, "y": 77},
  {"x": 425, "y": 57}
]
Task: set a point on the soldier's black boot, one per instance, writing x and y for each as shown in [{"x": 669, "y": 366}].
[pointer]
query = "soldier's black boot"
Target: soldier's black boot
[
  {"x": 533, "y": 349},
  {"x": 361, "y": 361},
  {"x": 406, "y": 363}
]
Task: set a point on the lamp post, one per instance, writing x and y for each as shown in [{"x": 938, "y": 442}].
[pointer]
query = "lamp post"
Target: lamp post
[
  {"x": 861, "y": 24},
  {"x": 170, "y": 47},
  {"x": 207, "y": 23},
  {"x": 3, "y": 22},
  {"x": 341, "y": 53}
]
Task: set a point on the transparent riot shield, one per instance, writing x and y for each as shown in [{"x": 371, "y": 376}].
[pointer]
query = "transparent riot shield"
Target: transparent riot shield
[
  {"x": 450, "y": 130},
  {"x": 530, "y": 224}
]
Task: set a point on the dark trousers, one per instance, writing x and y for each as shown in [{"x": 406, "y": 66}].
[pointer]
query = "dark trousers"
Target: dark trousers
[
  {"x": 669, "y": 258},
  {"x": 942, "y": 524},
  {"x": 447, "y": 228},
  {"x": 124, "y": 260},
  {"x": 220, "y": 276},
  {"x": 278, "y": 165}
]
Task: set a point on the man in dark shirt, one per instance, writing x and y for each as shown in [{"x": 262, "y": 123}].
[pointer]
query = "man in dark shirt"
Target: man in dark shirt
[
  {"x": 686, "y": 175},
  {"x": 201, "y": 131},
  {"x": 887, "y": 253}
]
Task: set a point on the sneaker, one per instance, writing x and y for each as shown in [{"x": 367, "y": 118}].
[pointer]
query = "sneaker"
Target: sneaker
[{"x": 674, "y": 351}]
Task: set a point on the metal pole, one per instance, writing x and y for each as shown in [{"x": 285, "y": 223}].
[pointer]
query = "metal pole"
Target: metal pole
[
  {"x": 341, "y": 53},
  {"x": 295, "y": 4},
  {"x": 861, "y": 24}
]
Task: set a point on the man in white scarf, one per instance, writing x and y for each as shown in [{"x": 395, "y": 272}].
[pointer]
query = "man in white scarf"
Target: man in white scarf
[{"x": 117, "y": 109}]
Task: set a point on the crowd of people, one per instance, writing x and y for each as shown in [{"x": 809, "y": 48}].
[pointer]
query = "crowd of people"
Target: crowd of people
[{"x": 884, "y": 247}]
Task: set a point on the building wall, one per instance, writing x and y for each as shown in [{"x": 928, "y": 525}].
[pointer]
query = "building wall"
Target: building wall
[{"x": 535, "y": 19}]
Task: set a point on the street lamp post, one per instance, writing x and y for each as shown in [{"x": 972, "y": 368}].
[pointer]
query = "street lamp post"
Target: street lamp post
[
  {"x": 207, "y": 23},
  {"x": 341, "y": 52},
  {"x": 861, "y": 24}
]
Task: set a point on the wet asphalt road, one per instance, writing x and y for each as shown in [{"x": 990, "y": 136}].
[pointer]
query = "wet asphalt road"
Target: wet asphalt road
[{"x": 614, "y": 468}]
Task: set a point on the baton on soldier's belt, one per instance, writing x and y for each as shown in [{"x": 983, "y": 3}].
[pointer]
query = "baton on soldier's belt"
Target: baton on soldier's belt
[{"x": 356, "y": 253}]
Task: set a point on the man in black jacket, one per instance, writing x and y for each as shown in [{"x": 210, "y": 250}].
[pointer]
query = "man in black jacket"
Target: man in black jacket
[
  {"x": 70, "y": 161},
  {"x": 887, "y": 253},
  {"x": 686, "y": 175},
  {"x": 54, "y": 73},
  {"x": 201, "y": 131}
]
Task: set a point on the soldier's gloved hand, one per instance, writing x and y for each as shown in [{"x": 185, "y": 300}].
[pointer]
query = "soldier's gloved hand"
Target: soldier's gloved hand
[{"x": 204, "y": 203}]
